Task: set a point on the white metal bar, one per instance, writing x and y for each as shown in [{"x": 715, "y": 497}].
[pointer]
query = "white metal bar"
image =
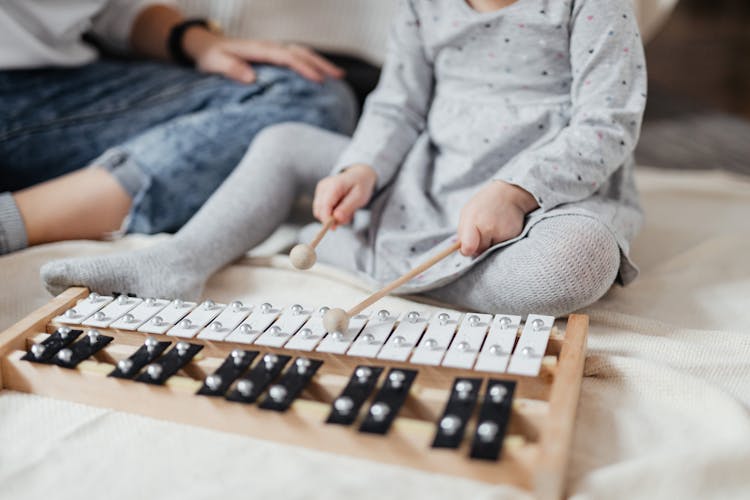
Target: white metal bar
[
  {"x": 226, "y": 322},
  {"x": 174, "y": 312},
  {"x": 311, "y": 333},
  {"x": 374, "y": 335},
  {"x": 497, "y": 347},
  {"x": 437, "y": 338},
  {"x": 339, "y": 343},
  {"x": 287, "y": 325},
  {"x": 468, "y": 341},
  {"x": 405, "y": 337},
  {"x": 255, "y": 324},
  {"x": 83, "y": 309},
  {"x": 527, "y": 357},
  {"x": 140, "y": 314},
  {"x": 112, "y": 312}
]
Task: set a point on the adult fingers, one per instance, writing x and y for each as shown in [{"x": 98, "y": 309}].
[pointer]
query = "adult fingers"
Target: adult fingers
[
  {"x": 279, "y": 55},
  {"x": 232, "y": 67},
  {"x": 320, "y": 62},
  {"x": 301, "y": 64}
]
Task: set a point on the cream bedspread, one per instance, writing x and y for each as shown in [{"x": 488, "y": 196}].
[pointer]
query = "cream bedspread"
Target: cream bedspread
[{"x": 663, "y": 410}]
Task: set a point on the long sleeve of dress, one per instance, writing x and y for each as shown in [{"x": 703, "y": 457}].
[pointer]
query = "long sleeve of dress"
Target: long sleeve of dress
[
  {"x": 608, "y": 99},
  {"x": 395, "y": 113}
]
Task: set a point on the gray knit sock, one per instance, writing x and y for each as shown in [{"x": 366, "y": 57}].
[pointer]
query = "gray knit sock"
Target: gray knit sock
[
  {"x": 284, "y": 162},
  {"x": 158, "y": 271},
  {"x": 565, "y": 263},
  {"x": 12, "y": 229}
]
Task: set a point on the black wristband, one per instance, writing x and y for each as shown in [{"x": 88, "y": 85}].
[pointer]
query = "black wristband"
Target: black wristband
[{"x": 176, "y": 36}]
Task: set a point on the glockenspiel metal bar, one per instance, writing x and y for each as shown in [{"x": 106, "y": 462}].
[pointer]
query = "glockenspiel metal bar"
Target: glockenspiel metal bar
[
  {"x": 129, "y": 368},
  {"x": 338, "y": 343},
  {"x": 282, "y": 394},
  {"x": 310, "y": 335},
  {"x": 45, "y": 351},
  {"x": 220, "y": 328},
  {"x": 405, "y": 337},
  {"x": 467, "y": 342},
  {"x": 161, "y": 369},
  {"x": 139, "y": 315},
  {"x": 284, "y": 327},
  {"x": 167, "y": 317},
  {"x": 388, "y": 401},
  {"x": 84, "y": 348},
  {"x": 499, "y": 344},
  {"x": 83, "y": 309},
  {"x": 494, "y": 416},
  {"x": 249, "y": 387},
  {"x": 527, "y": 357},
  {"x": 231, "y": 369},
  {"x": 112, "y": 312},
  {"x": 436, "y": 339},
  {"x": 255, "y": 324},
  {"x": 346, "y": 406},
  {"x": 373, "y": 336},
  {"x": 457, "y": 413},
  {"x": 190, "y": 325}
]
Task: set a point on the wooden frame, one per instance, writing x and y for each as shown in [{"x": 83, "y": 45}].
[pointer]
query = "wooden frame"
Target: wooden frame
[{"x": 535, "y": 452}]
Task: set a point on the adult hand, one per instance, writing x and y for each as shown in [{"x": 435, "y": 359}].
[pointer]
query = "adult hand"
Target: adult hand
[{"x": 232, "y": 57}]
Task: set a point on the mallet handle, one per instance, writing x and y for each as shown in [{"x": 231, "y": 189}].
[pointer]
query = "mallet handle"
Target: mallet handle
[
  {"x": 323, "y": 230},
  {"x": 403, "y": 279}
]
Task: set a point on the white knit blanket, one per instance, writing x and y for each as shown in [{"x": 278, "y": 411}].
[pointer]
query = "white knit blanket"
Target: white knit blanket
[{"x": 663, "y": 410}]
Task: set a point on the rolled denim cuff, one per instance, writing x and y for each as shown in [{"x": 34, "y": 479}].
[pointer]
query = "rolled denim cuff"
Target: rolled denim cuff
[
  {"x": 127, "y": 172},
  {"x": 12, "y": 229},
  {"x": 130, "y": 176}
]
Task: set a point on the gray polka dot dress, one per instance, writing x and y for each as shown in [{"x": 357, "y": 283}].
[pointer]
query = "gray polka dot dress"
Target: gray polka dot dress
[{"x": 545, "y": 94}]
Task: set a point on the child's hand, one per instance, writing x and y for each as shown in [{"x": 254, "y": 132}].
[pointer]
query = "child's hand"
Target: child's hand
[
  {"x": 493, "y": 215},
  {"x": 341, "y": 195}
]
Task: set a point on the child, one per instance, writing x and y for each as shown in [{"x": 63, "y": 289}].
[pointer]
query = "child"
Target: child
[{"x": 510, "y": 125}]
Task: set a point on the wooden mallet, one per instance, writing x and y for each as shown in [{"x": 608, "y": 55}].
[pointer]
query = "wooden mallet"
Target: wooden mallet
[
  {"x": 303, "y": 256},
  {"x": 337, "y": 320}
]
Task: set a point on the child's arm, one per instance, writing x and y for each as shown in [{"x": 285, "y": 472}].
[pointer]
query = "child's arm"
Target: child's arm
[
  {"x": 493, "y": 215},
  {"x": 395, "y": 113},
  {"x": 609, "y": 96}
]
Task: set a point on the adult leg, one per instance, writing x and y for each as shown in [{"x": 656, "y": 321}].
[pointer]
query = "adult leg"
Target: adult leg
[
  {"x": 61, "y": 208},
  {"x": 283, "y": 162},
  {"x": 55, "y": 121},
  {"x": 185, "y": 160},
  {"x": 196, "y": 129},
  {"x": 563, "y": 264}
]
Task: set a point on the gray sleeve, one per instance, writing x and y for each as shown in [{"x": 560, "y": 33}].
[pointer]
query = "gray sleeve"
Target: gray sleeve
[
  {"x": 608, "y": 94},
  {"x": 113, "y": 24},
  {"x": 395, "y": 113}
]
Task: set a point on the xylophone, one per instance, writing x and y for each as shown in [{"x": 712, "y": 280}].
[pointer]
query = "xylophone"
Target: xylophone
[{"x": 485, "y": 397}]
